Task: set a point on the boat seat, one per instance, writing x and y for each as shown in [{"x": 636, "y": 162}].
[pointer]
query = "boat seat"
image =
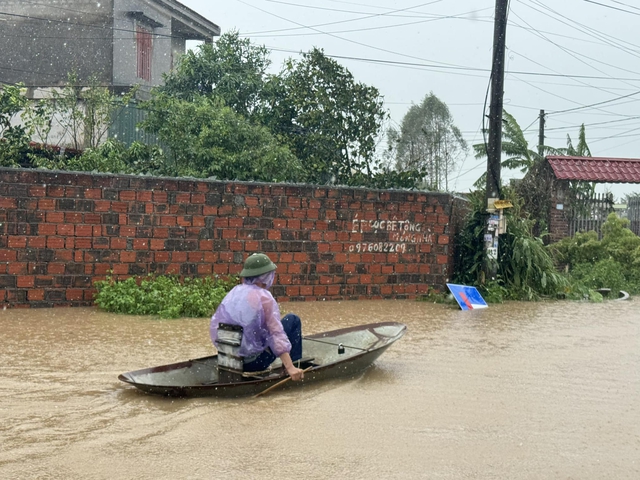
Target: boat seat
[
  {"x": 229, "y": 341},
  {"x": 231, "y": 364}
]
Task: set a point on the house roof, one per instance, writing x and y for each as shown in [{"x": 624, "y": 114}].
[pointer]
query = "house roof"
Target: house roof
[
  {"x": 596, "y": 169},
  {"x": 192, "y": 22}
]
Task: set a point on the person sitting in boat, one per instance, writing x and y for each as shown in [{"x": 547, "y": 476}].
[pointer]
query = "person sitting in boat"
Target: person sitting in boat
[{"x": 251, "y": 306}]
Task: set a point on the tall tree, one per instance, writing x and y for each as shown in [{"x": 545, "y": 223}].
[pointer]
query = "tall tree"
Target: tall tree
[
  {"x": 232, "y": 69},
  {"x": 329, "y": 120},
  {"x": 428, "y": 141}
]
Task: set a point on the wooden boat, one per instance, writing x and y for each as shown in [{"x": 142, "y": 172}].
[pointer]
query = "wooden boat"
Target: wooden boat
[{"x": 338, "y": 353}]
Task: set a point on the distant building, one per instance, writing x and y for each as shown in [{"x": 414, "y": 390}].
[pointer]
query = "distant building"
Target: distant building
[{"x": 120, "y": 42}]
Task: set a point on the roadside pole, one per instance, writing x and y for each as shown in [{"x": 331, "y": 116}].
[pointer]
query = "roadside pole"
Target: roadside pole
[
  {"x": 494, "y": 147},
  {"x": 541, "y": 134}
]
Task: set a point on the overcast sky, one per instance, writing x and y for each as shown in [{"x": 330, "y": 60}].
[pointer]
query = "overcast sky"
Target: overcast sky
[{"x": 579, "y": 60}]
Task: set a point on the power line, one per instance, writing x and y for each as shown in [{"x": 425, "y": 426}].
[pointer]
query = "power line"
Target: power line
[
  {"x": 351, "y": 11},
  {"x": 572, "y": 52},
  {"x": 80, "y": 24},
  {"x": 625, "y": 4},
  {"x": 589, "y": 31},
  {"x": 380, "y": 27},
  {"x": 367, "y": 16},
  {"x": 459, "y": 67},
  {"x": 569, "y": 53},
  {"x": 343, "y": 38},
  {"x": 594, "y": 104},
  {"x": 611, "y": 7},
  {"x": 57, "y": 7},
  {"x": 618, "y": 135},
  {"x": 593, "y": 124}
]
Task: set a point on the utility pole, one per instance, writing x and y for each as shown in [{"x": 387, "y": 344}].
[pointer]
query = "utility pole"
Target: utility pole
[
  {"x": 494, "y": 147},
  {"x": 541, "y": 135}
]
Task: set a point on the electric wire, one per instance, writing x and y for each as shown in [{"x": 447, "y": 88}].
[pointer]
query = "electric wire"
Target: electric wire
[
  {"x": 365, "y": 29},
  {"x": 625, "y": 4},
  {"x": 367, "y": 16},
  {"x": 593, "y": 124},
  {"x": 593, "y": 104},
  {"x": 569, "y": 53},
  {"x": 611, "y": 6},
  {"x": 584, "y": 29}
]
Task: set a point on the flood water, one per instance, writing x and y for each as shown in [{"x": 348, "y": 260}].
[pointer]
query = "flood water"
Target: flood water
[{"x": 516, "y": 391}]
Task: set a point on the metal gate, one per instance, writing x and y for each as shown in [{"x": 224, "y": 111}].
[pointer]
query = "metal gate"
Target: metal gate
[{"x": 588, "y": 214}]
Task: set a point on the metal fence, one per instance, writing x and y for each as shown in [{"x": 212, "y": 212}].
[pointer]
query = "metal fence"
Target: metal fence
[
  {"x": 125, "y": 126},
  {"x": 588, "y": 214},
  {"x": 633, "y": 214}
]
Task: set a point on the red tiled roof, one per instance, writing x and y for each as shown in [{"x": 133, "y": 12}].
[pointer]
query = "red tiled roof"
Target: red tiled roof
[{"x": 596, "y": 169}]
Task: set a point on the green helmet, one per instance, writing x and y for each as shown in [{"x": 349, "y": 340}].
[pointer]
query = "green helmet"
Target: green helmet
[{"x": 257, "y": 264}]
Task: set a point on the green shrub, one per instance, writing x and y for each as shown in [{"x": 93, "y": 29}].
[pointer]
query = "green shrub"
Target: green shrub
[
  {"x": 603, "y": 274},
  {"x": 584, "y": 247},
  {"x": 166, "y": 296},
  {"x": 525, "y": 269},
  {"x": 110, "y": 157},
  {"x": 613, "y": 262}
]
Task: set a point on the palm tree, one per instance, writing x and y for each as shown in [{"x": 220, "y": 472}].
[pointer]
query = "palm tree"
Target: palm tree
[
  {"x": 516, "y": 147},
  {"x": 536, "y": 186}
]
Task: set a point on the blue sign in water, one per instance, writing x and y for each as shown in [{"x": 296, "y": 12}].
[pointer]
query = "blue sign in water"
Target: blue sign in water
[{"x": 468, "y": 298}]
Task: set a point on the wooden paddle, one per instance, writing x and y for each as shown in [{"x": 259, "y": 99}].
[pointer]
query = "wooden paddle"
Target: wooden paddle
[{"x": 279, "y": 383}]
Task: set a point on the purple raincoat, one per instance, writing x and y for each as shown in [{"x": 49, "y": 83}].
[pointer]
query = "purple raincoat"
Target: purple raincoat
[{"x": 256, "y": 311}]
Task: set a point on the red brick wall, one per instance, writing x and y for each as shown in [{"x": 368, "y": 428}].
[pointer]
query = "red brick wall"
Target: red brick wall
[
  {"x": 60, "y": 232},
  {"x": 558, "y": 220}
]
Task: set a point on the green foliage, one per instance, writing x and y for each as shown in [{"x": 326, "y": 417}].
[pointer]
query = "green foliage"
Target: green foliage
[
  {"x": 328, "y": 120},
  {"x": 84, "y": 112},
  {"x": 428, "y": 142},
  {"x": 469, "y": 256},
  {"x": 220, "y": 115},
  {"x": 165, "y": 296},
  {"x": 584, "y": 247},
  {"x": 603, "y": 274},
  {"x": 525, "y": 264},
  {"x": 526, "y": 270},
  {"x": 231, "y": 69},
  {"x": 205, "y": 138},
  {"x": 613, "y": 262},
  {"x": 110, "y": 157},
  {"x": 14, "y": 139},
  {"x": 581, "y": 149}
]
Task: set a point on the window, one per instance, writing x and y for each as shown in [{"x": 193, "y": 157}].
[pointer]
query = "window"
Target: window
[{"x": 143, "y": 38}]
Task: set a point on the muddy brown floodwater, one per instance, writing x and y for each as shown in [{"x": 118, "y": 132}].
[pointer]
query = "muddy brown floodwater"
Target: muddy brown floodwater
[{"x": 516, "y": 391}]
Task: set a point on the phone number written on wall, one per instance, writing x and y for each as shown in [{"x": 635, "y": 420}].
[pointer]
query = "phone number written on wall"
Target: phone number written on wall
[{"x": 401, "y": 232}]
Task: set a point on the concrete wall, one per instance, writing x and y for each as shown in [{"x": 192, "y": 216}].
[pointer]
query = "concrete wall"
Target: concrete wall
[
  {"x": 42, "y": 42},
  {"x": 60, "y": 232},
  {"x": 125, "y": 46}
]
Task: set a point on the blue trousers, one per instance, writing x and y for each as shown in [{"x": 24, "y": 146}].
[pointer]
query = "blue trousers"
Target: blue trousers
[{"x": 293, "y": 328}]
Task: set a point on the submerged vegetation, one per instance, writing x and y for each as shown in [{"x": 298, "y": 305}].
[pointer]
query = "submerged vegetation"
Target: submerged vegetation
[
  {"x": 166, "y": 296},
  {"x": 613, "y": 262}
]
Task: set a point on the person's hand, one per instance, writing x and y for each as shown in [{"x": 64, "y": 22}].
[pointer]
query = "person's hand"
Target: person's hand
[{"x": 295, "y": 373}]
